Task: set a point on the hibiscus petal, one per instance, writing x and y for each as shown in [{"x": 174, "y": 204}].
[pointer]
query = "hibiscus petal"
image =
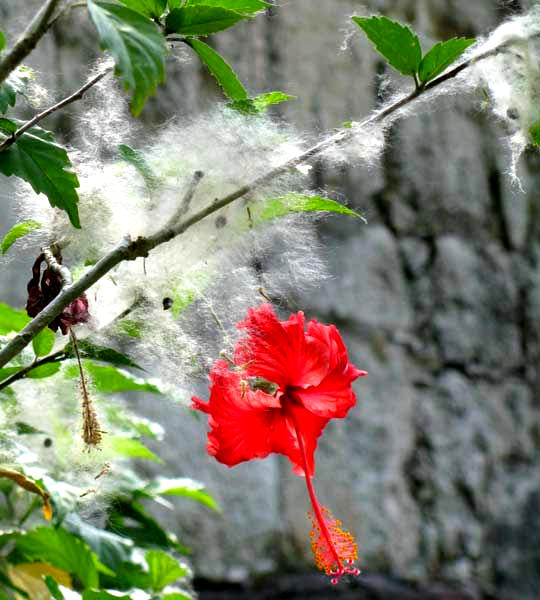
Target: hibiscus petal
[
  {"x": 240, "y": 419},
  {"x": 332, "y": 398},
  {"x": 279, "y": 351},
  {"x": 283, "y": 436}
]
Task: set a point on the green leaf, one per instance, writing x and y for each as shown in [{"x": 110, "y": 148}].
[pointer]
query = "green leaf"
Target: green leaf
[
  {"x": 52, "y": 586},
  {"x": 130, "y": 328},
  {"x": 241, "y": 6},
  {"x": 534, "y": 132},
  {"x": 163, "y": 569},
  {"x": 2, "y": 41},
  {"x": 36, "y": 158},
  {"x": 132, "y": 448},
  {"x": 441, "y": 56},
  {"x": 102, "y": 353},
  {"x": 16, "y": 232},
  {"x": 43, "y": 342},
  {"x": 130, "y": 519},
  {"x": 5, "y": 372},
  {"x": 25, "y": 429},
  {"x": 220, "y": 69},
  {"x": 172, "y": 4},
  {"x": 133, "y": 424},
  {"x": 185, "y": 487},
  {"x": 177, "y": 596},
  {"x": 46, "y": 370},
  {"x": 102, "y": 595},
  {"x": 109, "y": 380},
  {"x": 112, "y": 549},
  {"x": 190, "y": 287},
  {"x": 396, "y": 42},
  {"x": 11, "y": 319},
  {"x": 60, "y": 549},
  {"x": 260, "y": 103},
  {"x": 201, "y": 20},
  {"x": 137, "y": 46},
  {"x": 148, "y": 8},
  {"x": 16, "y": 83},
  {"x": 273, "y": 208},
  {"x": 136, "y": 159}
]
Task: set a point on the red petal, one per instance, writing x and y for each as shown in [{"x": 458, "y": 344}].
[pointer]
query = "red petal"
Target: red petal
[
  {"x": 332, "y": 398},
  {"x": 283, "y": 436},
  {"x": 279, "y": 351},
  {"x": 240, "y": 419}
]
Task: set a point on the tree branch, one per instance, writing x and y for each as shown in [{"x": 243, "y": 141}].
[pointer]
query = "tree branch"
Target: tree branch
[
  {"x": 48, "y": 111},
  {"x": 28, "y": 40},
  {"x": 130, "y": 249}
]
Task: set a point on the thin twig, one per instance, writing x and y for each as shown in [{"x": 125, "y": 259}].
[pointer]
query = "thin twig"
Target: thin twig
[
  {"x": 61, "y": 270},
  {"x": 61, "y": 355},
  {"x": 130, "y": 249},
  {"x": 188, "y": 197},
  {"x": 28, "y": 40},
  {"x": 52, "y": 358},
  {"x": 48, "y": 111}
]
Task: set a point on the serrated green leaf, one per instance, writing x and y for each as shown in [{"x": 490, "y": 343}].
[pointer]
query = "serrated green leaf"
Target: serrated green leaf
[
  {"x": 220, "y": 69},
  {"x": 201, "y": 20},
  {"x": 111, "y": 549},
  {"x": 132, "y": 448},
  {"x": 396, "y": 42},
  {"x": 241, "y": 6},
  {"x": 102, "y": 353},
  {"x": 43, "y": 342},
  {"x": 273, "y": 208},
  {"x": 60, "y": 549},
  {"x": 36, "y": 158},
  {"x": 534, "y": 132},
  {"x": 163, "y": 569},
  {"x": 109, "y": 380},
  {"x": 46, "y": 370},
  {"x": 16, "y": 232},
  {"x": 148, "y": 8},
  {"x": 137, "y": 46},
  {"x": 16, "y": 83},
  {"x": 12, "y": 319},
  {"x": 52, "y": 586},
  {"x": 182, "y": 486},
  {"x": 441, "y": 56},
  {"x": 260, "y": 103},
  {"x": 136, "y": 159}
]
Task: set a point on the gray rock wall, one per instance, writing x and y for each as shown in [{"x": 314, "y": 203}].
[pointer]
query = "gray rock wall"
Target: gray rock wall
[{"x": 437, "y": 468}]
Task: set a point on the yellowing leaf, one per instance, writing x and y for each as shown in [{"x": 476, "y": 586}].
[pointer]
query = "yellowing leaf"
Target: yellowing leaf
[
  {"x": 29, "y": 578},
  {"x": 31, "y": 486}
]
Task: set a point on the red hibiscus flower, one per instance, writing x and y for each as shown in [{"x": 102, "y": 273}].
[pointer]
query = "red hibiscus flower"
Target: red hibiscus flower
[{"x": 284, "y": 386}]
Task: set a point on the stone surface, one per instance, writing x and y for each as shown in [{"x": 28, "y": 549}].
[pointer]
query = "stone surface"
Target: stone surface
[{"x": 438, "y": 467}]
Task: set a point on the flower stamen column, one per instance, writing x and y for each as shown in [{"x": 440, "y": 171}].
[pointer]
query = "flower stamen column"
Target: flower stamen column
[{"x": 326, "y": 533}]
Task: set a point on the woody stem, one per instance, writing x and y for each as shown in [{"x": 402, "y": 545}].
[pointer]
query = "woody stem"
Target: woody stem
[{"x": 314, "y": 502}]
